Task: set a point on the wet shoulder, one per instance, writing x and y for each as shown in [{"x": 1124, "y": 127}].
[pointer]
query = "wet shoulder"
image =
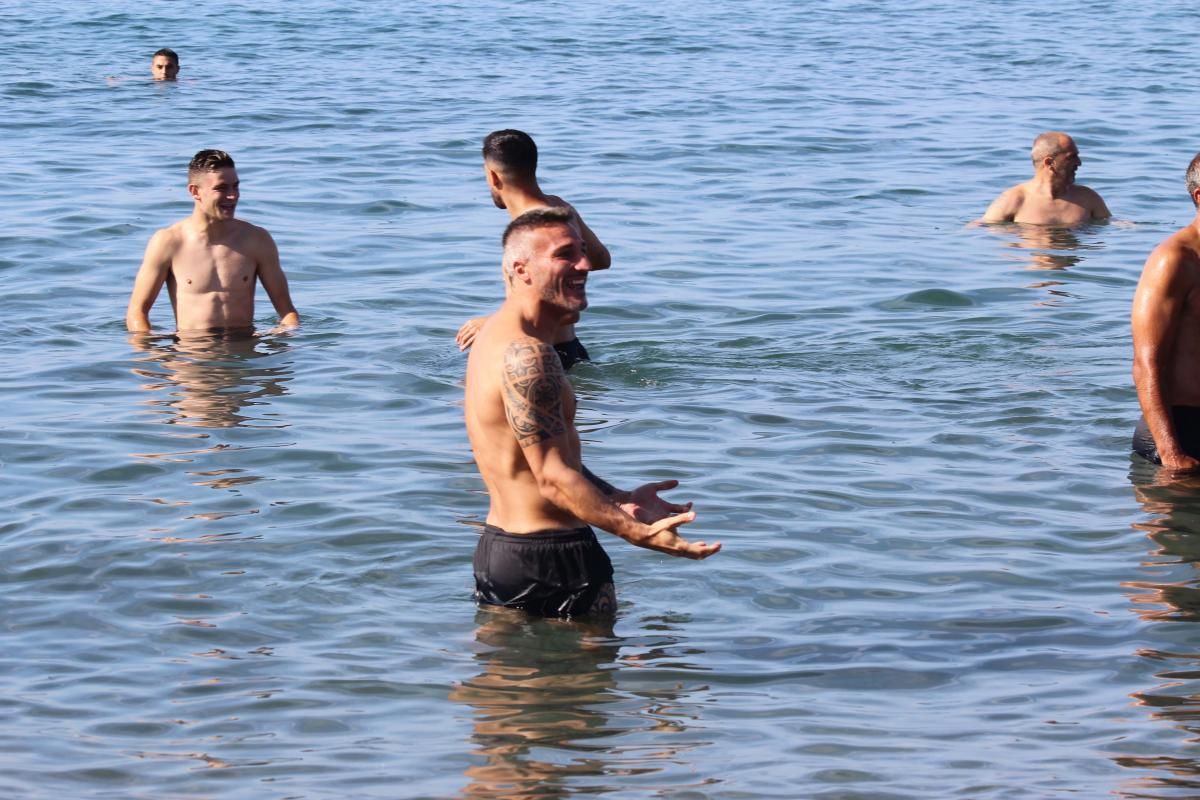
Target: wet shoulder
[{"x": 529, "y": 357}]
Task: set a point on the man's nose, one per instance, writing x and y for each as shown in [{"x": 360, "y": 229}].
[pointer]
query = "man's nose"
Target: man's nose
[{"x": 584, "y": 264}]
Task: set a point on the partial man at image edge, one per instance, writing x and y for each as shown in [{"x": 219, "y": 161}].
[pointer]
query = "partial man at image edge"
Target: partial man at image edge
[
  {"x": 538, "y": 551},
  {"x": 1051, "y": 196},
  {"x": 510, "y": 167},
  {"x": 164, "y": 65},
  {"x": 1166, "y": 345},
  {"x": 210, "y": 261}
]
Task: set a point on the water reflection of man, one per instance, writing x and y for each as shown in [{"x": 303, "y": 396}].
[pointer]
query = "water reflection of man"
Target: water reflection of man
[
  {"x": 212, "y": 378},
  {"x": 549, "y": 687},
  {"x": 1172, "y": 597}
]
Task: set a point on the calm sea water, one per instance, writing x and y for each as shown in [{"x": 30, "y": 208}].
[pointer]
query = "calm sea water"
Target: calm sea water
[{"x": 242, "y": 570}]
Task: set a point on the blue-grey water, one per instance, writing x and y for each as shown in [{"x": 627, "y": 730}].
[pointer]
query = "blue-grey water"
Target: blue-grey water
[{"x": 242, "y": 570}]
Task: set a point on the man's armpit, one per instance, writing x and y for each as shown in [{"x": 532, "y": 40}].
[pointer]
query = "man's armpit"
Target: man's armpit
[{"x": 533, "y": 391}]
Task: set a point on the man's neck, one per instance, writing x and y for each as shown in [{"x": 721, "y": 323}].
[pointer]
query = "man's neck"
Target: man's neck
[
  {"x": 520, "y": 199},
  {"x": 1047, "y": 184},
  {"x": 537, "y": 318},
  {"x": 210, "y": 226}
]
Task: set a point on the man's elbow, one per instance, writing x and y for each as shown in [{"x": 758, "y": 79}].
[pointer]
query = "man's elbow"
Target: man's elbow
[
  {"x": 137, "y": 322},
  {"x": 554, "y": 485}
]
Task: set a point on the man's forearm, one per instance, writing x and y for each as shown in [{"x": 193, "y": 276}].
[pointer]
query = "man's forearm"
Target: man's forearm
[
  {"x": 1156, "y": 411},
  {"x": 604, "y": 486},
  {"x": 578, "y": 493}
]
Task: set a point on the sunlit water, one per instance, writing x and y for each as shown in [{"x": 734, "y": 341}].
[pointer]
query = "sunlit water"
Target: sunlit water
[{"x": 242, "y": 569}]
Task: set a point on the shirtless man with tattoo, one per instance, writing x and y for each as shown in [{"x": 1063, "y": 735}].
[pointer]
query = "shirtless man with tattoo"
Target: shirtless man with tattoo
[
  {"x": 510, "y": 166},
  {"x": 537, "y": 551},
  {"x": 1166, "y": 345},
  {"x": 210, "y": 262},
  {"x": 1051, "y": 196}
]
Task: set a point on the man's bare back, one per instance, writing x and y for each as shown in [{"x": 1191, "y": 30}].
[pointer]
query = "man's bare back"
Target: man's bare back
[
  {"x": 504, "y": 349},
  {"x": 1051, "y": 197},
  {"x": 211, "y": 263}
]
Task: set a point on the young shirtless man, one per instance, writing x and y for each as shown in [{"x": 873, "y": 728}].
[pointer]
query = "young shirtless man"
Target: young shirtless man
[
  {"x": 210, "y": 261},
  {"x": 1051, "y": 197},
  {"x": 164, "y": 65},
  {"x": 538, "y": 552},
  {"x": 510, "y": 166},
  {"x": 1166, "y": 345}
]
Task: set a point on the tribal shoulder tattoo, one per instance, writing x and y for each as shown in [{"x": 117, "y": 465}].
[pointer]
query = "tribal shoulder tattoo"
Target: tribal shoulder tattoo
[{"x": 533, "y": 391}]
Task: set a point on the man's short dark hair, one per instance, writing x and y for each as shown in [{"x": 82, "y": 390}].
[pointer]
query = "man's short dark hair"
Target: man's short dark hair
[
  {"x": 1192, "y": 177},
  {"x": 512, "y": 151},
  {"x": 537, "y": 218},
  {"x": 209, "y": 161},
  {"x": 169, "y": 53}
]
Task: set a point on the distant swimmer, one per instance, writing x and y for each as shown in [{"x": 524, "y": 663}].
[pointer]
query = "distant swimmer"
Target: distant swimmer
[
  {"x": 210, "y": 261},
  {"x": 510, "y": 165},
  {"x": 1051, "y": 197},
  {"x": 537, "y": 551},
  {"x": 1166, "y": 345},
  {"x": 164, "y": 65}
]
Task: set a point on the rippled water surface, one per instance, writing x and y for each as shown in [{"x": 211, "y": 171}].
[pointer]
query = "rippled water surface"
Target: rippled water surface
[{"x": 242, "y": 569}]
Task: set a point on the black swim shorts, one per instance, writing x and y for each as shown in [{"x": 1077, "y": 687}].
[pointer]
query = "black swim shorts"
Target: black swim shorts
[
  {"x": 554, "y": 573},
  {"x": 572, "y": 352},
  {"x": 1187, "y": 428}
]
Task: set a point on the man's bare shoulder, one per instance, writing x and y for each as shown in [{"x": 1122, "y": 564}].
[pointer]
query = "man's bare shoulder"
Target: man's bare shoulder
[
  {"x": 167, "y": 240},
  {"x": 248, "y": 231},
  {"x": 1006, "y": 205},
  {"x": 1087, "y": 197},
  {"x": 1181, "y": 247},
  {"x": 554, "y": 201},
  {"x": 529, "y": 357}
]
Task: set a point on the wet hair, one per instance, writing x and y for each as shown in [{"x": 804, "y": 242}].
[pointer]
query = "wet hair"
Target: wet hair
[
  {"x": 169, "y": 53},
  {"x": 1048, "y": 145},
  {"x": 208, "y": 161},
  {"x": 512, "y": 151},
  {"x": 1192, "y": 177}
]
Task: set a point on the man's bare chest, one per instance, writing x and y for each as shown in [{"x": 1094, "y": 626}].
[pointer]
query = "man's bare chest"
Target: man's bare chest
[{"x": 203, "y": 267}]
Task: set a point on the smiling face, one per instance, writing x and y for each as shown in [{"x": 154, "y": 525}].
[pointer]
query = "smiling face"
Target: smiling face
[
  {"x": 164, "y": 68},
  {"x": 216, "y": 192},
  {"x": 558, "y": 267}
]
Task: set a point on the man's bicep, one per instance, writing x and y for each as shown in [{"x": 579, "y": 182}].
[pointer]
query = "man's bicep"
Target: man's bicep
[
  {"x": 534, "y": 392},
  {"x": 153, "y": 272},
  {"x": 1158, "y": 302}
]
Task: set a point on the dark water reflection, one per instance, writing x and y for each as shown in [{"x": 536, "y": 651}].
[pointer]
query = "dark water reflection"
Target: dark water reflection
[
  {"x": 1173, "y": 529},
  {"x": 551, "y": 717},
  {"x": 213, "y": 381}
]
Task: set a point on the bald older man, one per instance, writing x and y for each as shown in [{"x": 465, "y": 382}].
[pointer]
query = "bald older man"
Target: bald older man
[{"x": 1051, "y": 197}]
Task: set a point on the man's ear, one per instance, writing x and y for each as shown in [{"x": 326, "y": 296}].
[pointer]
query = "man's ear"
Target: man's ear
[
  {"x": 493, "y": 178},
  {"x": 520, "y": 271},
  {"x": 194, "y": 191}
]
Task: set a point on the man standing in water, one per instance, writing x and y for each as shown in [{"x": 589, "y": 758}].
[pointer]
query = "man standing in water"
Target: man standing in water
[
  {"x": 1051, "y": 197},
  {"x": 537, "y": 551},
  {"x": 1166, "y": 345},
  {"x": 510, "y": 166},
  {"x": 210, "y": 261},
  {"x": 164, "y": 65}
]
